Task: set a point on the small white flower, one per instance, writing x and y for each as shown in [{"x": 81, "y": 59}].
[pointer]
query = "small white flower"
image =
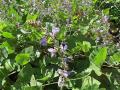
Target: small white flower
[
  {"x": 37, "y": 53},
  {"x": 61, "y": 81},
  {"x": 105, "y": 19}
]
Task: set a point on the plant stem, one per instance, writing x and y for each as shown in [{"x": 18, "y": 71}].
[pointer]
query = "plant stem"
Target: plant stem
[{"x": 61, "y": 88}]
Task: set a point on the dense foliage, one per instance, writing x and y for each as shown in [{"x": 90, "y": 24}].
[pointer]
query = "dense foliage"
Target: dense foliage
[{"x": 59, "y": 44}]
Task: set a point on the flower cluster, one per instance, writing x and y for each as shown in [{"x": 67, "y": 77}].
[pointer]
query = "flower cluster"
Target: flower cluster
[
  {"x": 61, "y": 50},
  {"x": 63, "y": 75}
]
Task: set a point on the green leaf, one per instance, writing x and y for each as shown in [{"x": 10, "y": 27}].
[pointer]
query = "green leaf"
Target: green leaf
[
  {"x": 61, "y": 34},
  {"x": 24, "y": 18},
  {"x": 95, "y": 1},
  {"x": 74, "y": 6},
  {"x": 25, "y": 74},
  {"x": 98, "y": 56},
  {"x": 3, "y": 74},
  {"x": 86, "y": 46},
  {"x": 74, "y": 83},
  {"x": 89, "y": 84},
  {"x": 13, "y": 12},
  {"x": 47, "y": 76},
  {"x": 106, "y": 11},
  {"x": 2, "y": 24},
  {"x": 117, "y": 1},
  {"x": 8, "y": 65},
  {"x": 32, "y": 88},
  {"x": 95, "y": 68},
  {"x": 28, "y": 50},
  {"x": 32, "y": 17},
  {"x": 7, "y": 35},
  {"x": 10, "y": 49},
  {"x": 115, "y": 57},
  {"x": 5, "y": 52},
  {"x": 22, "y": 59}
]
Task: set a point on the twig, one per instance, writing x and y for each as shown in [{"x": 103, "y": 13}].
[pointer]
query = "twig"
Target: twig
[{"x": 50, "y": 84}]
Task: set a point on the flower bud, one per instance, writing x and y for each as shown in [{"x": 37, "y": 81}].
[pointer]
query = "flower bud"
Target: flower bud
[
  {"x": 61, "y": 81},
  {"x": 63, "y": 47},
  {"x": 43, "y": 41}
]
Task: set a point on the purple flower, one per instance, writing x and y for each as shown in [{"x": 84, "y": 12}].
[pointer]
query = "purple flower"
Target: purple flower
[
  {"x": 43, "y": 41},
  {"x": 52, "y": 51},
  {"x": 64, "y": 73},
  {"x": 55, "y": 30},
  {"x": 63, "y": 47}
]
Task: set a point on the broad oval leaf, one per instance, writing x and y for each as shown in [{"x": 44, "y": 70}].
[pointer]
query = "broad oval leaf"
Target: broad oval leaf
[
  {"x": 115, "y": 57},
  {"x": 7, "y": 35},
  {"x": 98, "y": 56},
  {"x": 22, "y": 59},
  {"x": 86, "y": 46}
]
